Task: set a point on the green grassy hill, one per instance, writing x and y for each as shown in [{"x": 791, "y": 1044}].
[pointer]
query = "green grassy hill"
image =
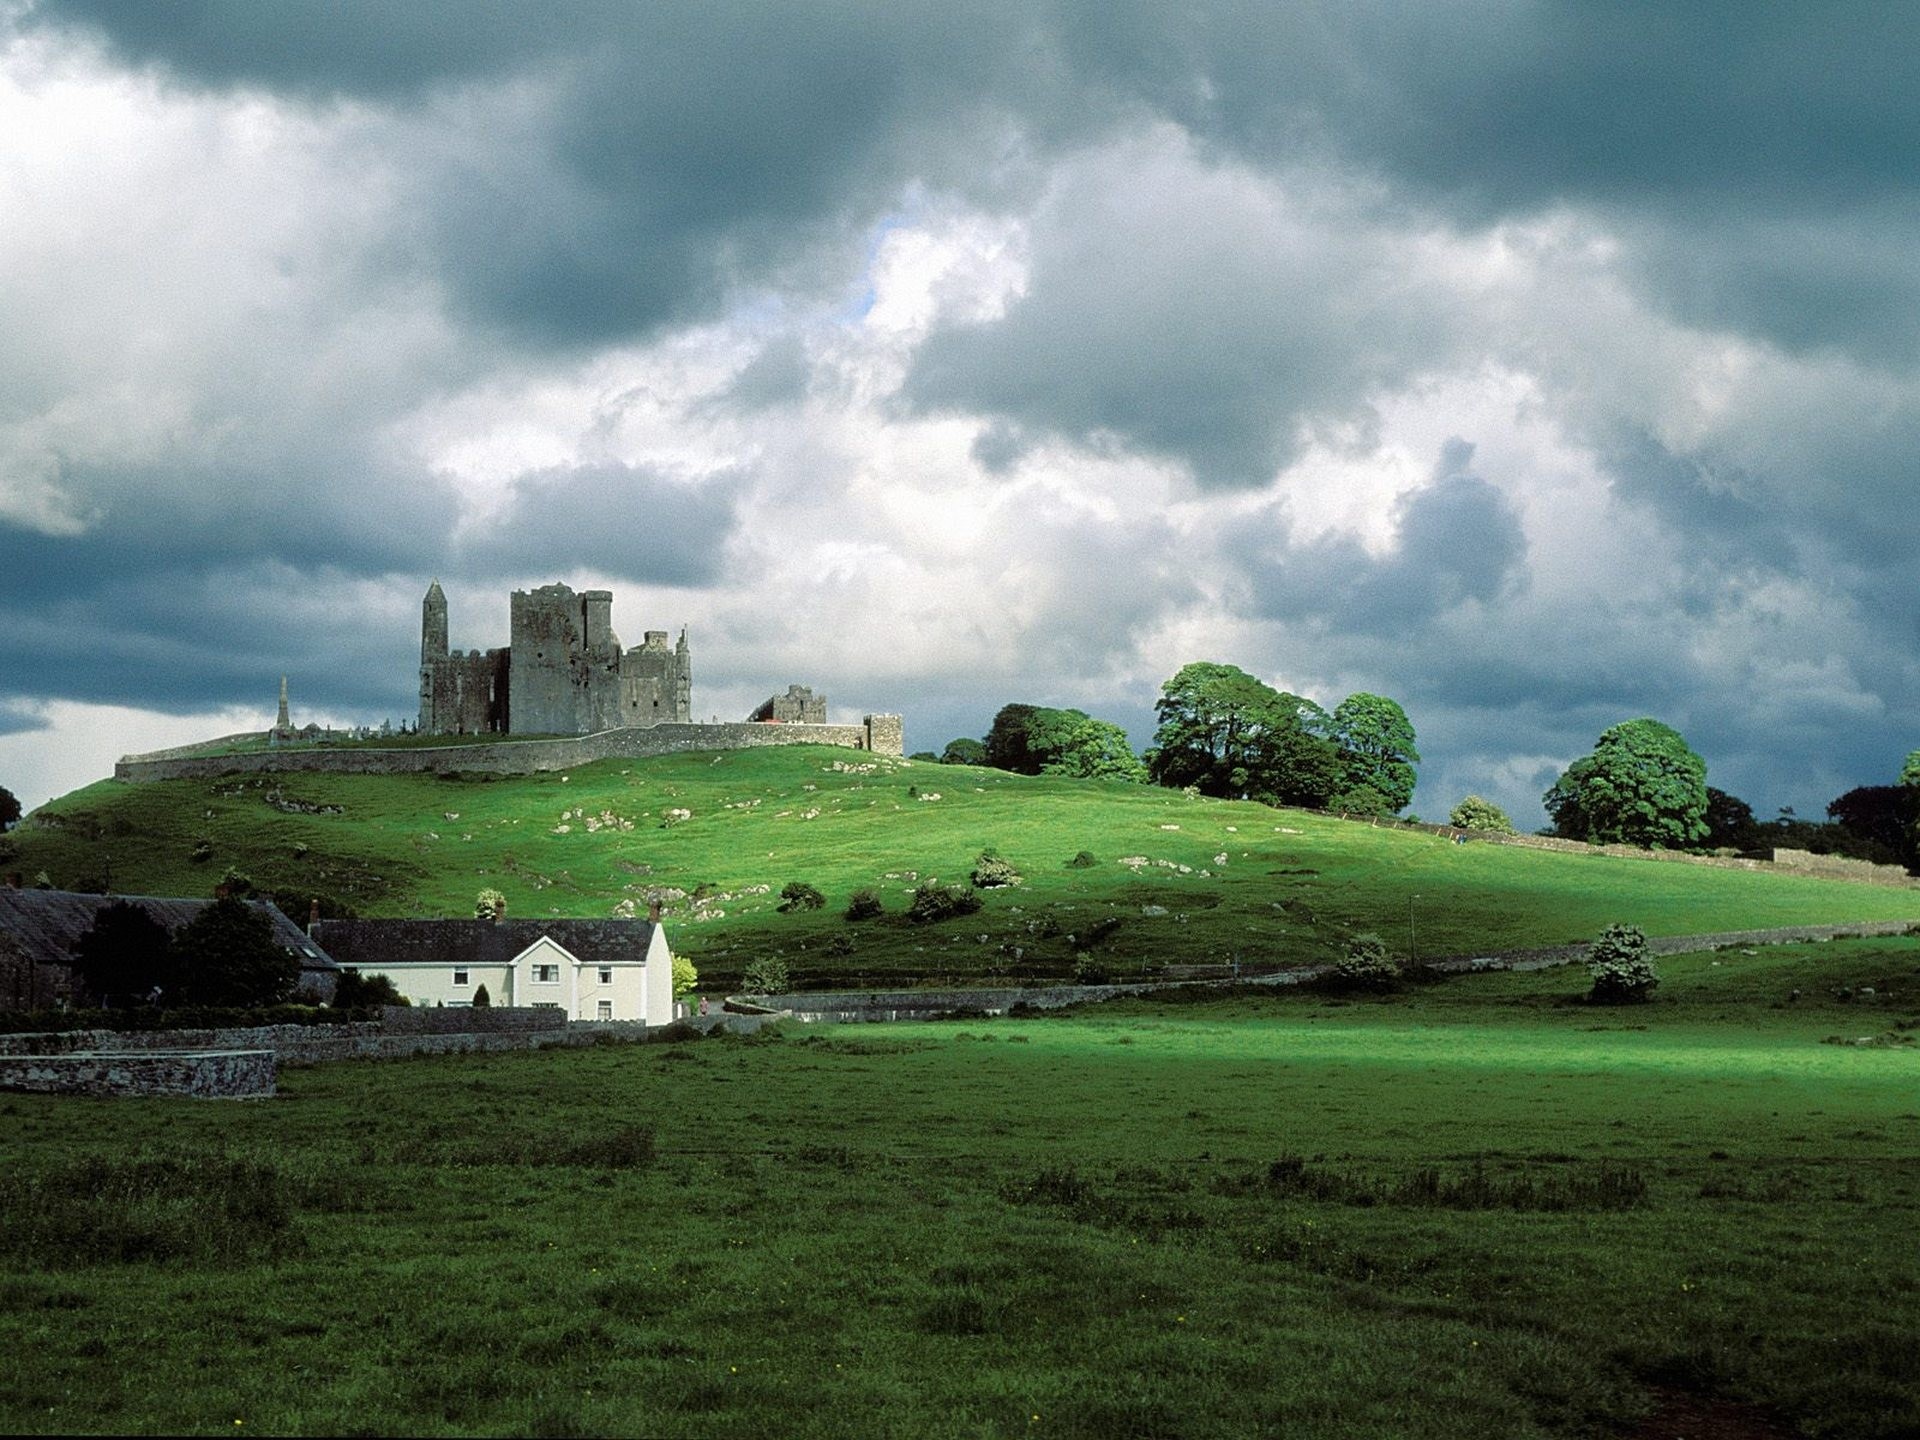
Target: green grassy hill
[{"x": 720, "y": 834}]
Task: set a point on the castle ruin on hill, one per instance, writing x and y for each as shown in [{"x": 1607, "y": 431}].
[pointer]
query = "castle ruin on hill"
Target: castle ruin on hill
[{"x": 562, "y": 672}]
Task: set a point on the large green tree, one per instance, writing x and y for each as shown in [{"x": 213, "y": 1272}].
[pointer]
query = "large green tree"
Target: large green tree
[
  {"x": 1642, "y": 785},
  {"x": 1039, "y": 740},
  {"x": 1376, "y": 749},
  {"x": 124, "y": 955},
  {"x": 9, "y": 809},
  {"x": 226, "y": 955},
  {"x": 1227, "y": 734}
]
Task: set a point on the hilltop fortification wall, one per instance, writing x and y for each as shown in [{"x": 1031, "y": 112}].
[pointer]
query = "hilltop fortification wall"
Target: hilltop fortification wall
[{"x": 880, "y": 734}]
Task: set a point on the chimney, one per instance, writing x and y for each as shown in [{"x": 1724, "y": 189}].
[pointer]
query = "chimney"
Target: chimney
[
  {"x": 653, "y": 912},
  {"x": 313, "y": 914},
  {"x": 13, "y": 880}
]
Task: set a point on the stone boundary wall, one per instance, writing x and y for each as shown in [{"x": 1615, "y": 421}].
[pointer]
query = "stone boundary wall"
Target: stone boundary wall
[
  {"x": 1804, "y": 861},
  {"x": 200, "y": 1074},
  {"x": 1842, "y": 866},
  {"x": 471, "y": 1020},
  {"x": 311, "y": 1044},
  {"x": 880, "y": 733},
  {"x": 879, "y": 1006}
]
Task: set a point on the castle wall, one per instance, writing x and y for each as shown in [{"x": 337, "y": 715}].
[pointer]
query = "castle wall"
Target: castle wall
[
  {"x": 799, "y": 706},
  {"x": 519, "y": 757},
  {"x": 656, "y": 684},
  {"x": 563, "y": 672},
  {"x": 552, "y": 666},
  {"x": 465, "y": 694}
]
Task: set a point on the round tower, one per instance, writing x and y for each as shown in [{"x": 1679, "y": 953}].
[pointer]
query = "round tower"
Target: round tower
[{"x": 433, "y": 624}]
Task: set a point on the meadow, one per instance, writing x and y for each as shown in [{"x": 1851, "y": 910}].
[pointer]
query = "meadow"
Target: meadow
[
  {"x": 1139, "y": 876},
  {"x": 1477, "y": 1207}
]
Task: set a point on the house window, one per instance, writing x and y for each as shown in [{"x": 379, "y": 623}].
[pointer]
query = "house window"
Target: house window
[
  {"x": 606, "y": 974},
  {"x": 606, "y": 1009},
  {"x": 460, "y": 977},
  {"x": 546, "y": 974}
]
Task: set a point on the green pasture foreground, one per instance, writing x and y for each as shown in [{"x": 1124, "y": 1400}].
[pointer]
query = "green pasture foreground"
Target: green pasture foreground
[
  {"x": 1473, "y": 1209},
  {"x": 1168, "y": 880}
]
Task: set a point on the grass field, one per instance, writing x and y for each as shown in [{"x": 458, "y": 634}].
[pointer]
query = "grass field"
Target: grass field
[
  {"x": 722, "y": 833},
  {"x": 1473, "y": 1209}
]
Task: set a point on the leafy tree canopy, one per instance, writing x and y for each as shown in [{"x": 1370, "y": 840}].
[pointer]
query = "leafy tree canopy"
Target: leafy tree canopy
[
  {"x": 1642, "y": 785},
  {"x": 354, "y": 991},
  {"x": 1474, "y": 813},
  {"x": 1730, "y": 823},
  {"x": 1038, "y": 740},
  {"x": 124, "y": 955},
  {"x": 1910, "y": 771},
  {"x": 1376, "y": 748},
  {"x": 226, "y": 955},
  {"x": 9, "y": 810},
  {"x": 964, "y": 751},
  {"x": 1229, "y": 735}
]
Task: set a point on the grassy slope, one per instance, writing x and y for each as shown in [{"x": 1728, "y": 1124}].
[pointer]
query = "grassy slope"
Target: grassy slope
[
  {"x": 1059, "y": 1226},
  {"x": 1291, "y": 887}
]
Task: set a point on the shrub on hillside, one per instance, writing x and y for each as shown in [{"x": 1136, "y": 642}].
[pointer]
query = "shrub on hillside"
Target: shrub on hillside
[
  {"x": 1617, "y": 961},
  {"x": 934, "y": 902},
  {"x": 767, "y": 976},
  {"x": 1474, "y": 813},
  {"x": 1091, "y": 970},
  {"x": 864, "y": 905},
  {"x": 201, "y": 852},
  {"x": 489, "y": 904},
  {"x": 1082, "y": 860},
  {"x": 798, "y": 895},
  {"x": 1365, "y": 966},
  {"x": 990, "y": 872}
]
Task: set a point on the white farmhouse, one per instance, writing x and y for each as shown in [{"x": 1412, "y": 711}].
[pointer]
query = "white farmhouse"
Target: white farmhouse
[{"x": 591, "y": 969}]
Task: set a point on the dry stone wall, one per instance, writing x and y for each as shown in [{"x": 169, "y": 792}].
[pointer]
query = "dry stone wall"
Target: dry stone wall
[
  {"x": 199, "y": 1074},
  {"x": 879, "y": 733}
]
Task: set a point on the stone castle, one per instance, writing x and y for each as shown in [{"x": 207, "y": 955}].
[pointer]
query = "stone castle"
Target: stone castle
[{"x": 562, "y": 672}]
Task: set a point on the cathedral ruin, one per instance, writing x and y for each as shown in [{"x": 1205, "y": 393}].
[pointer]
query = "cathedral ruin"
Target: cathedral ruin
[{"x": 562, "y": 672}]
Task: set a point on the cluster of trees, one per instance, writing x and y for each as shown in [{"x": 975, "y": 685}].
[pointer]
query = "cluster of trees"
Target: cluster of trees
[
  {"x": 225, "y": 956},
  {"x": 1643, "y": 785},
  {"x": 1226, "y": 734},
  {"x": 1039, "y": 740}
]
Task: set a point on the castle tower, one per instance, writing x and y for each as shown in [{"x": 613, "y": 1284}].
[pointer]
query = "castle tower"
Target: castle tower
[
  {"x": 683, "y": 679},
  {"x": 596, "y": 607},
  {"x": 433, "y": 625},
  {"x": 433, "y": 656}
]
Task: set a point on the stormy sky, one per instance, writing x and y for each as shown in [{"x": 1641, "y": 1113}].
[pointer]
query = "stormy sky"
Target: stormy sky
[{"x": 1538, "y": 365}]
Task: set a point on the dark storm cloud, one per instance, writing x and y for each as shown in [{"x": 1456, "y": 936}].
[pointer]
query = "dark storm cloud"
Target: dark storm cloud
[
  {"x": 182, "y": 640},
  {"x": 663, "y": 149},
  {"x": 617, "y": 520},
  {"x": 18, "y": 719},
  {"x": 194, "y": 583},
  {"x": 1458, "y": 541},
  {"x": 1195, "y": 315}
]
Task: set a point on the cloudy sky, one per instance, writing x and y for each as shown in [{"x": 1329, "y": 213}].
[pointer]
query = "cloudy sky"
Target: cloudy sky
[{"x": 1540, "y": 366}]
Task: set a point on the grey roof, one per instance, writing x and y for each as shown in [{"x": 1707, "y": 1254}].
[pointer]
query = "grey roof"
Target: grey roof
[
  {"x": 373, "y": 943},
  {"x": 49, "y": 923}
]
